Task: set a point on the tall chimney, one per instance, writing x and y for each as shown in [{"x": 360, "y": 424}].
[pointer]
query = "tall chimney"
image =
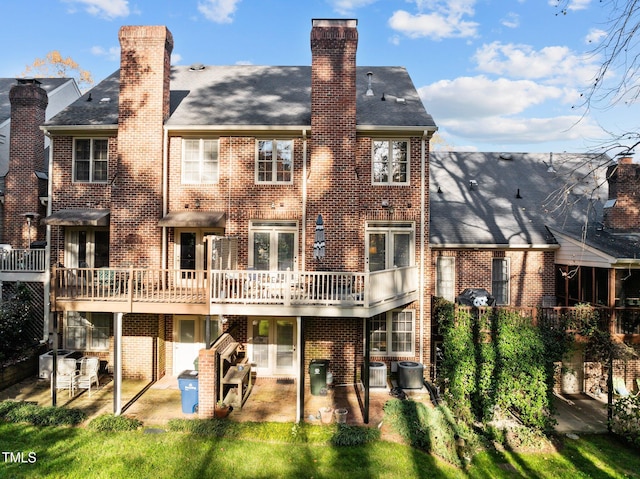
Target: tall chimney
[
  {"x": 136, "y": 195},
  {"x": 333, "y": 131},
  {"x": 26, "y": 157},
  {"x": 624, "y": 188}
]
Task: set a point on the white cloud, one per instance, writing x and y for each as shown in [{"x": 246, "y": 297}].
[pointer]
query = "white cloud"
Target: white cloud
[
  {"x": 553, "y": 64},
  {"x": 112, "y": 54},
  {"x": 218, "y": 11},
  {"x": 433, "y": 25},
  {"x": 176, "y": 58},
  {"x": 511, "y": 20},
  {"x": 345, "y": 7},
  {"x": 595, "y": 35},
  {"x": 104, "y": 8},
  {"x": 485, "y": 110},
  {"x": 570, "y": 4}
]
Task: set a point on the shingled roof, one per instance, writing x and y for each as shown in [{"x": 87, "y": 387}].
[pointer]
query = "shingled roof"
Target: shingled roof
[
  {"x": 47, "y": 84},
  {"x": 250, "y": 95},
  {"x": 480, "y": 199}
]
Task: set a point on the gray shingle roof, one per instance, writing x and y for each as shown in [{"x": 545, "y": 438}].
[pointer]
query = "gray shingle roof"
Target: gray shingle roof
[
  {"x": 249, "y": 95},
  {"x": 48, "y": 84},
  {"x": 490, "y": 213}
]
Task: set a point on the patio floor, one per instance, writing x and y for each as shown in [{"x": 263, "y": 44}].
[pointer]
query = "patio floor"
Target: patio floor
[{"x": 156, "y": 403}]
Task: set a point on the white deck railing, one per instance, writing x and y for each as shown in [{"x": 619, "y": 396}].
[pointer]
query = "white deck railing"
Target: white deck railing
[
  {"x": 287, "y": 288},
  {"x": 23, "y": 260}
]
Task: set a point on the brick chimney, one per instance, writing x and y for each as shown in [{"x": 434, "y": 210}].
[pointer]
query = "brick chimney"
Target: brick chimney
[
  {"x": 624, "y": 188},
  {"x": 136, "y": 196},
  {"x": 26, "y": 157},
  {"x": 333, "y": 136}
]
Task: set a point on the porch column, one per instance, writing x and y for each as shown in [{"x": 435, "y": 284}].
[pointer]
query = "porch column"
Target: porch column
[
  {"x": 300, "y": 359},
  {"x": 365, "y": 372},
  {"x": 117, "y": 364}
]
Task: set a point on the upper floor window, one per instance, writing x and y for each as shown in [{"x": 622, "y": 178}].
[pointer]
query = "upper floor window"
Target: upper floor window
[
  {"x": 500, "y": 280},
  {"x": 90, "y": 160},
  {"x": 274, "y": 161},
  {"x": 273, "y": 245},
  {"x": 445, "y": 277},
  {"x": 389, "y": 245},
  {"x": 390, "y": 162},
  {"x": 200, "y": 161}
]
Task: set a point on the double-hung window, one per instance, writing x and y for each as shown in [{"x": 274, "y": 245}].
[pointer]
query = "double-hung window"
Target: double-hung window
[
  {"x": 87, "y": 331},
  {"x": 90, "y": 160},
  {"x": 390, "y": 162},
  {"x": 445, "y": 277},
  {"x": 500, "y": 280},
  {"x": 274, "y": 162},
  {"x": 199, "y": 161},
  {"x": 393, "y": 333}
]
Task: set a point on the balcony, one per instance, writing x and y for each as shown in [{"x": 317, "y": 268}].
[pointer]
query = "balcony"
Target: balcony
[
  {"x": 28, "y": 265},
  {"x": 233, "y": 292}
]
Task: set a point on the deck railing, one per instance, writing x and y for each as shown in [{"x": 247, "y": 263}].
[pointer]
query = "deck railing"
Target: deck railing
[
  {"x": 234, "y": 286},
  {"x": 23, "y": 260}
]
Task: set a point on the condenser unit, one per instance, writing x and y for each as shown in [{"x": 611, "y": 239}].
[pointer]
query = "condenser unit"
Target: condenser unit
[
  {"x": 410, "y": 375},
  {"x": 377, "y": 374}
]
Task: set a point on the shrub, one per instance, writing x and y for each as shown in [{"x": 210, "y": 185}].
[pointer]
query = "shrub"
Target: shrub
[
  {"x": 626, "y": 418},
  {"x": 13, "y": 411},
  {"x": 109, "y": 422},
  {"x": 15, "y": 316}
]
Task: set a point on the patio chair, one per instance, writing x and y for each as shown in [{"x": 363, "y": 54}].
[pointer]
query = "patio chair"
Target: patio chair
[
  {"x": 67, "y": 375},
  {"x": 620, "y": 388},
  {"x": 88, "y": 373}
]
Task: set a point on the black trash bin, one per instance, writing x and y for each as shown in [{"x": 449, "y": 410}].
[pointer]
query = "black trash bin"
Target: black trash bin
[
  {"x": 188, "y": 384},
  {"x": 318, "y": 372}
]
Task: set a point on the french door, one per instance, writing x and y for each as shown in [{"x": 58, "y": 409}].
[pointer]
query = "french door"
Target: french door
[
  {"x": 273, "y": 245},
  {"x": 272, "y": 345},
  {"x": 389, "y": 245},
  {"x": 190, "y": 255}
]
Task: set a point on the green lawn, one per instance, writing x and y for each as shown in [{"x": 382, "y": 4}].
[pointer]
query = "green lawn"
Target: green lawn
[{"x": 78, "y": 452}]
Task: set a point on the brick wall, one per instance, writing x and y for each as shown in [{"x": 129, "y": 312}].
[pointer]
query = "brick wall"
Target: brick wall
[
  {"x": 624, "y": 186},
  {"x": 26, "y": 156},
  {"x": 531, "y": 273},
  {"x": 140, "y": 334}
]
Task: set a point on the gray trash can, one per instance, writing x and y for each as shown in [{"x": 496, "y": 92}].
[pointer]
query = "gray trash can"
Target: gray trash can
[
  {"x": 188, "y": 384},
  {"x": 318, "y": 373}
]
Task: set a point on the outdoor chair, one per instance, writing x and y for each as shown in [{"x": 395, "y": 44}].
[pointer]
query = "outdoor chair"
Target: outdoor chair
[
  {"x": 67, "y": 375},
  {"x": 620, "y": 388},
  {"x": 89, "y": 373}
]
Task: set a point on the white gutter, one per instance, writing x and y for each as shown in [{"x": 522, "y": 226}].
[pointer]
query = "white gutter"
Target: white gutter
[{"x": 494, "y": 246}]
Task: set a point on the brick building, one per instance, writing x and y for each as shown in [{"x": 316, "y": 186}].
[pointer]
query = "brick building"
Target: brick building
[{"x": 188, "y": 201}]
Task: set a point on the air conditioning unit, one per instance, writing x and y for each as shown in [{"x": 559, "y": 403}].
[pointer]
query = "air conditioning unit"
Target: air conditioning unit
[
  {"x": 410, "y": 375},
  {"x": 377, "y": 374}
]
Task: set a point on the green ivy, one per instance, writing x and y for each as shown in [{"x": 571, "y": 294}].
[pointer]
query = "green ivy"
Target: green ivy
[{"x": 498, "y": 362}]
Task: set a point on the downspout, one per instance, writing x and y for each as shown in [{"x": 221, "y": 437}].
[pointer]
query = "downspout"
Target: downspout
[
  {"x": 422, "y": 240},
  {"x": 165, "y": 199},
  {"x": 304, "y": 200},
  {"x": 303, "y": 265},
  {"x": 47, "y": 251}
]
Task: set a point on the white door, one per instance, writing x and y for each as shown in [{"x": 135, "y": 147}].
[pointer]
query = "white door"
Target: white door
[
  {"x": 272, "y": 346},
  {"x": 189, "y": 340}
]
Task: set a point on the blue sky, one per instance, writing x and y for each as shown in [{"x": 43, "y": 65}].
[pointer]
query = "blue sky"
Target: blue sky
[{"x": 497, "y": 75}]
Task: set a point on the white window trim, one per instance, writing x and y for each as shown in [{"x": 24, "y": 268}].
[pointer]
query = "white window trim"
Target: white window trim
[
  {"x": 274, "y": 162},
  {"x": 71, "y": 244},
  {"x": 508, "y": 280},
  {"x": 91, "y": 161},
  {"x": 452, "y": 260},
  {"x": 200, "y": 234},
  {"x": 389, "y": 333},
  {"x": 88, "y": 317},
  {"x": 263, "y": 226},
  {"x": 390, "y": 182},
  {"x": 389, "y": 228},
  {"x": 201, "y": 142}
]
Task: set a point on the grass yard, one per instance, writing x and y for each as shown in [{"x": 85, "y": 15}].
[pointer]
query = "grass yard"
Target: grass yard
[{"x": 66, "y": 452}]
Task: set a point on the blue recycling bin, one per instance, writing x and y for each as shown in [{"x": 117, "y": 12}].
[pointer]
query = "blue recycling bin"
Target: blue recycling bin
[{"x": 188, "y": 384}]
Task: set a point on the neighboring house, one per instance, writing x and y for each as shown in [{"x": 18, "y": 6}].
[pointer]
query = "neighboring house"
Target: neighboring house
[
  {"x": 539, "y": 230},
  {"x": 187, "y": 201},
  {"x": 25, "y": 104}
]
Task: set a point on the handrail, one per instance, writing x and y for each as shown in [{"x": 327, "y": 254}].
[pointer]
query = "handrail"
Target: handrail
[{"x": 23, "y": 260}]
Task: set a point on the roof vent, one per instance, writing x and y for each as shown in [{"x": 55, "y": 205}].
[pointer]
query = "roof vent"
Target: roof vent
[
  {"x": 369, "y": 88},
  {"x": 400, "y": 100},
  {"x": 506, "y": 156},
  {"x": 473, "y": 184},
  {"x": 106, "y": 99},
  {"x": 196, "y": 67}
]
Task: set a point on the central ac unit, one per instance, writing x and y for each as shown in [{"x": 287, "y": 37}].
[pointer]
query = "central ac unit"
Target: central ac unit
[{"x": 377, "y": 374}]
